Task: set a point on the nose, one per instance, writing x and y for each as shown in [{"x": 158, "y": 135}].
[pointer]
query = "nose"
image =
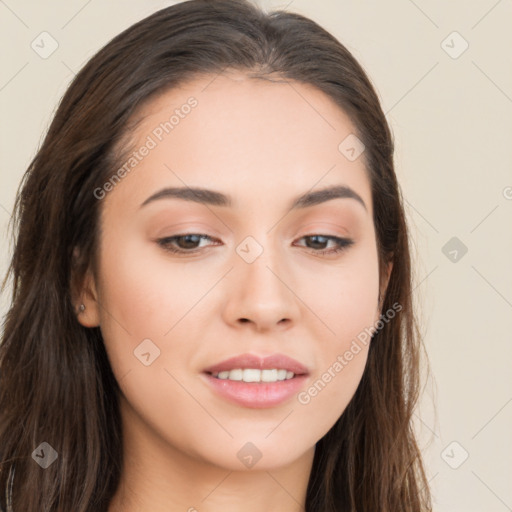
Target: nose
[{"x": 261, "y": 294}]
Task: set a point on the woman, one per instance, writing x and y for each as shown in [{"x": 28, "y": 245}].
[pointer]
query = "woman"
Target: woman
[{"x": 211, "y": 282}]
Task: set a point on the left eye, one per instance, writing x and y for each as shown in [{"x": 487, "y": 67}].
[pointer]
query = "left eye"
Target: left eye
[
  {"x": 340, "y": 244},
  {"x": 187, "y": 244}
]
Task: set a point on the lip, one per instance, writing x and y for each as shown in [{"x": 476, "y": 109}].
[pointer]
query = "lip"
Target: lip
[
  {"x": 257, "y": 395},
  {"x": 261, "y": 363}
]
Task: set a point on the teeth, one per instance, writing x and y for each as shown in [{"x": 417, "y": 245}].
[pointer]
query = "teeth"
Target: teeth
[
  {"x": 251, "y": 375},
  {"x": 255, "y": 375},
  {"x": 268, "y": 375},
  {"x": 235, "y": 374}
]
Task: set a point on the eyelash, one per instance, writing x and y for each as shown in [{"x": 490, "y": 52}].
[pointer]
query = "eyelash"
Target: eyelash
[{"x": 342, "y": 244}]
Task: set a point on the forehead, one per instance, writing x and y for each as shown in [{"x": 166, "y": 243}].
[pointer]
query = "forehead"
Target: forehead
[{"x": 250, "y": 138}]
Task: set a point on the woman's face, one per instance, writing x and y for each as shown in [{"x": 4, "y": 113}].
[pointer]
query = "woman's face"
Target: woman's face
[{"x": 254, "y": 286}]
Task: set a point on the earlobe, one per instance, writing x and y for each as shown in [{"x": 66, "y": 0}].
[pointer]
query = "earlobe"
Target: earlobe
[
  {"x": 87, "y": 306},
  {"x": 85, "y": 296}
]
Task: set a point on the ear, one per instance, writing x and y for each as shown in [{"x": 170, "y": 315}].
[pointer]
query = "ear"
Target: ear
[
  {"x": 84, "y": 291},
  {"x": 383, "y": 289}
]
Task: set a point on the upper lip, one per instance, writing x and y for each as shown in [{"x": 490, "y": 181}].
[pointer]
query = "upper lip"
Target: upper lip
[{"x": 279, "y": 361}]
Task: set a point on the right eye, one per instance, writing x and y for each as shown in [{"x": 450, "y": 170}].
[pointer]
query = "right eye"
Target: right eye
[{"x": 188, "y": 243}]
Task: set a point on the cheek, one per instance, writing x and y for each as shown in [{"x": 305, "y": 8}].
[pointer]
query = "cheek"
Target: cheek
[
  {"x": 329, "y": 392},
  {"x": 140, "y": 299},
  {"x": 152, "y": 304},
  {"x": 146, "y": 292},
  {"x": 346, "y": 299},
  {"x": 143, "y": 322},
  {"x": 344, "y": 296}
]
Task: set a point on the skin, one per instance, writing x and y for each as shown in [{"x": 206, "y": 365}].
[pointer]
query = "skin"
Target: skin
[{"x": 264, "y": 143}]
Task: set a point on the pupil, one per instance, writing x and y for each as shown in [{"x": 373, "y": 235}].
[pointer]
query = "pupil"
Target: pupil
[
  {"x": 187, "y": 238},
  {"x": 317, "y": 237}
]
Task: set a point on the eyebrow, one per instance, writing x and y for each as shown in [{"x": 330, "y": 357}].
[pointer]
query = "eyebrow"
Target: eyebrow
[{"x": 214, "y": 198}]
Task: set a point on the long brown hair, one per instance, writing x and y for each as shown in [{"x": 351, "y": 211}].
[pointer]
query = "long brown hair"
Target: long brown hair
[{"x": 56, "y": 384}]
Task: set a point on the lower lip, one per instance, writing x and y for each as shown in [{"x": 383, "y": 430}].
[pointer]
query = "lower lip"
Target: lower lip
[{"x": 258, "y": 395}]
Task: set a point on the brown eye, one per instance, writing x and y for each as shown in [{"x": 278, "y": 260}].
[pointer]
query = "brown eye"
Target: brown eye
[
  {"x": 183, "y": 244},
  {"x": 340, "y": 243},
  {"x": 189, "y": 243}
]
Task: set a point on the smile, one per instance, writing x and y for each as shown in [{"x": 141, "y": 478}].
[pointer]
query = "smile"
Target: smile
[{"x": 255, "y": 375}]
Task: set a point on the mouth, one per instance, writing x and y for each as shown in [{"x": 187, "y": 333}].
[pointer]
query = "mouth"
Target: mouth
[
  {"x": 255, "y": 375},
  {"x": 256, "y": 382}
]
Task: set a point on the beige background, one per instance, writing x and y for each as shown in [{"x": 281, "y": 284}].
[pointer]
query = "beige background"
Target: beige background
[{"x": 452, "y": 120}]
